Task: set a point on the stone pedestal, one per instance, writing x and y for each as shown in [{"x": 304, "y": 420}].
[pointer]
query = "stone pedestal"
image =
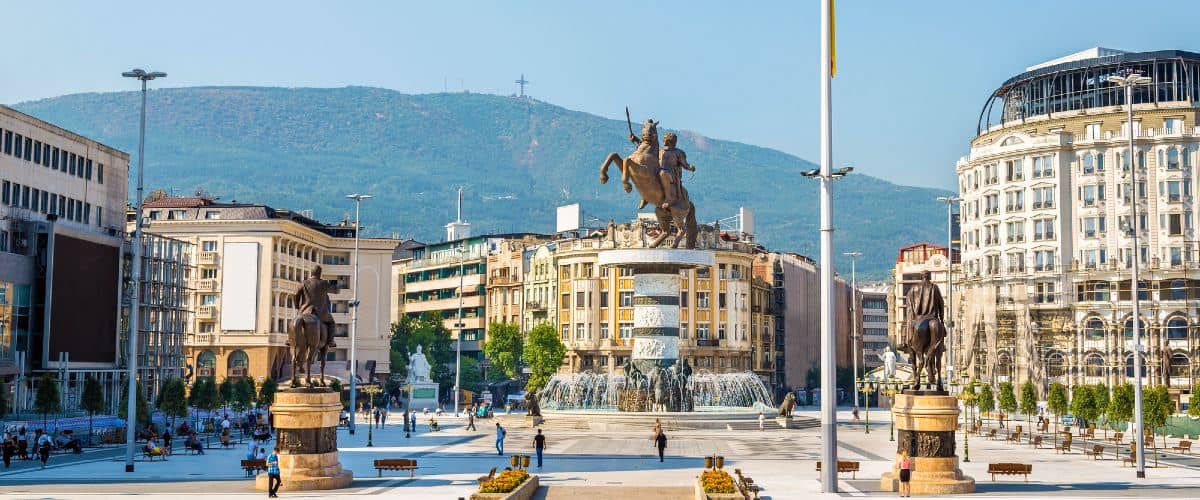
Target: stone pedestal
[
  {"x": 424, "y": 395},
  {"x": 306, "y": 421},
  {"x": 784, "y": 422},
  {"x": 925, "y": 429},
  {"x": 533, "y": 421}
]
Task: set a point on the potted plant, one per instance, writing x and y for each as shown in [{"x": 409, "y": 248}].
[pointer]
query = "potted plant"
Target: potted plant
[
  {"x": 716, "y": 484},
  {"x": 514, "y": 484}
]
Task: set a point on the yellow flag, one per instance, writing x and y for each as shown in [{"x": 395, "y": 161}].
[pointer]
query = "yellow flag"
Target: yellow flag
[{"x": 832, "y": 42}]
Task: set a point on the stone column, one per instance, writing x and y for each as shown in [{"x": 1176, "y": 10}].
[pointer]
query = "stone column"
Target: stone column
[
  {"x": 655, "y": 318},
  {"x": 925, "y": 429},
  {"x": 306, "y": 421}
]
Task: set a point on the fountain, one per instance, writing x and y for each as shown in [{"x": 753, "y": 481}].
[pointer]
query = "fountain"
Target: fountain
[{"x": 703, "y": 391}]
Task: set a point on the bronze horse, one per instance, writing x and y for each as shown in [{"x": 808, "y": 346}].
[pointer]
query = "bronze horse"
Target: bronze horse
[
  {"x": 308, "y": 338},
  {"x": 926, "y": 345},
  {"x": 642, "y": 168}
]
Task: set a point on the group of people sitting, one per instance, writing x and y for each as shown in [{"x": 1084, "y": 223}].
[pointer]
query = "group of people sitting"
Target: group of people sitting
[
  {"x": 157, "y": 445},
  {"x": 16, "y": 444}
]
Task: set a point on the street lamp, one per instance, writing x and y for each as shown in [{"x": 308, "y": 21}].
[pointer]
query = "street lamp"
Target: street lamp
[
  {"x": 891, "y": 387},
  {"x": 866, "y": 386},
  {"x": 462, "y": 256},
  {"x": 358, "y": 199},
  {"x": 1128, "y": 81},
  {"x": 826, "y": 175},
  {"x": 136, "y": 273},
  {"x": 855, "y": 338},
  {"x": 969, "y": 397},
  {"x": 949, "y": 201},
  {"x": 372, "y": 390}
]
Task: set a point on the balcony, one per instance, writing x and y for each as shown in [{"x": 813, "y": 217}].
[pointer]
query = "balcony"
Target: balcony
[
  {"x": 501, "y": 280},
  {"x": 206, "y": 312},
  {"x": 206, "y": 284},
  {"x": 535, "y": 306},
  {"x": 708, "y": 343},
  {"x": 208, "y": 258}
]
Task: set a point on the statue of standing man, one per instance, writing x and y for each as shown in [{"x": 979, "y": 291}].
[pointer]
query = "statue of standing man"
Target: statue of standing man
[{"x": 313, "y": 298}]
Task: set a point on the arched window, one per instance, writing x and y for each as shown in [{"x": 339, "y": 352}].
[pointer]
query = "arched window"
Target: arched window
[
  {"x": 238, "y": 364},
  {"x": 1093, "y": 329},
  {"x": 1177, "y": 328},
  {"x": 1129, "y": 366},
  {"x": 1003, "y": 365},
  {"x": 1178, "y": 290},
  {"x": 1129, "y": 328},
  {"x": 1056, "y": 364},
  {"x": 1172, "y": 159},
  {"x": 1179, "y": 365},
  {"x": 206, "y": 364},
  {"x": 1093, "y": 365},
  {"x": 1089, "y": 163}
]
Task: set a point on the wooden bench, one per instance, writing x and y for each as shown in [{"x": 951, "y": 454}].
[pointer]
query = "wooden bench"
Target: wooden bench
[
  {"x": 1117, "y": 438},
  {"x": 1090, "y": 433},
  {"x": 397, "y": 464},
  {"x": 150, "y": 454},
  {"x": 992, "y": 434},
  {"x": 489, "y": 477},
  {"x": 1131, "y": 459},
  {"x": 253, "y": 467},
  {"x": 1035, "y": 441},
  {"x": 1014, "y": 436},
  {"x": 1185, "y": 446},
  {"x": 1065, "y": 445},
  {"x": 850, "y": 466},
  {"x": 1096, "y": 451},
  {"x": 1010, "y": 469},
  {"x": 746, "y": 485}
]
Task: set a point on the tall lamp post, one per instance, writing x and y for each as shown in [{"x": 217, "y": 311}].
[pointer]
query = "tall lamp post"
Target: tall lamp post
[
  {"x": 1128, "y": 81},
  {"x": 855, "y": 338},
  {"x": 358, "y": 199},
  {"x": 136, "y": 273},
  {"x": 462, "y": 256},
  {"x": 950, "y": 201}
]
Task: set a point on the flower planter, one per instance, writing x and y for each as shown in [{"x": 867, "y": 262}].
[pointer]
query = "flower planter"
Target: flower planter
[
  {"x": 523, "y": 492},
  {"x": 701, "y": 495}
]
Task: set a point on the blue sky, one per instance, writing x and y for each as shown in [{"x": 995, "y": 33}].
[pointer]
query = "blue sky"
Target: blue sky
[{"x": 911, "y": 75}]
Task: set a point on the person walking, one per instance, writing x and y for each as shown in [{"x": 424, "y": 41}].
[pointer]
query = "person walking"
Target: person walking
[
  {"x": 383, "y": 416},
  {"x": 471, "y": 419},
  {"x": 660, "y": 441},
  {"x": 273, "y": 479},
  {"x": 10, "y": 449},
  {"x": 378, "y": 416},
  {"x": 539, "y": 443},
  {"x": 413, "y": 418},
  {"x": 500, "y": 432},
  {"x": 44, "y": 443},
  {"x": 905, "y": 475}
]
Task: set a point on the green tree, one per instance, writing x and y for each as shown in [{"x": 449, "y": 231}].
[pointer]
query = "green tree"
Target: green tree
[
  {"x": 91, "y": 401},
  {"x": 472, "y": 377},
  {"x": 544, "y": 354},
  {"x": 201, "y": 396},
  {"x": 428, "y": 331},
  {"x": 1056, "y": 402},
  {"x": 504, "y": 347},
  {"x": 1083, "y": 403},
  {"x": 1028, "y": 401},
  {"x": 336, "y": 386},
  {"x": 142, "y": 406},
  {"x": 1157, "y": 407},
  {"x": 1120, "y": 406},
  {"x": 986, "y": 401},
  {"x": 1008, "y": 399},
  {"x": 47, "y": 400},
  {"x": 172, "y": 400},
  {"x": 1100, "y": 395},
  {"x": 225, "y": 393},
  {"x": 266, "y": 392},
  {"x": 1194, "y": 409},
  {"x": 242, "y": 394}
]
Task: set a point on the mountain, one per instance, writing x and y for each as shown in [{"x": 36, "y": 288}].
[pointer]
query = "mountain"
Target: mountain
[{"x": 306, "y": 148}]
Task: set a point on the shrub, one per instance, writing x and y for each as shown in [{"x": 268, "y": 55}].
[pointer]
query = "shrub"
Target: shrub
[
  {"x": 717, "y": 481},
  {"x": 504, "y": 482}
]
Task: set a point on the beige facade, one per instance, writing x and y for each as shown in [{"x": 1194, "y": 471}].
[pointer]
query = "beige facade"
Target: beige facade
[
  {"x": 250, "y": 260},
  {"x": 1046, "y": 207},
  {"x": 541, "y": 286}
]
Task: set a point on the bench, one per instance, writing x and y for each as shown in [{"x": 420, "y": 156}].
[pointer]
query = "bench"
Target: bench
[
  {"x": 1117, "y": 438},
  {"x": 1065, "y": 445},
  {"x": 1185, "y": 446},
  {"x": 254, "y": 466},
  {"x": 1010, "y": 469},
  {"x": 396, "y": 464},
  {"x": 746, "y": 485},
  {"x": 992, "y": 434},
  {"x": 1036, "y": 442},
  {"x": 150, "y": 454},
  {"x": 1131, "y": 459},
  {"x": 1090, "y": 433},
  {"x": 1014, "y": 436},
  {"x": 850, "y": 466},
  {"x": 1096, "y": 451},
  {"x": 491, "y": 475}
]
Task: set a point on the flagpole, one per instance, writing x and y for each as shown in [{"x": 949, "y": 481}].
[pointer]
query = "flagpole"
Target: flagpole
[{"x": 828, "y": 348}]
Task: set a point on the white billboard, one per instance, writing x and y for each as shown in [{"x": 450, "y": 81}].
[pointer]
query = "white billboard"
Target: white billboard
[
  {"x": 747, "y": 218},
  {"x": 569, "y": 218},
  {"x": 239, "y": 287}
]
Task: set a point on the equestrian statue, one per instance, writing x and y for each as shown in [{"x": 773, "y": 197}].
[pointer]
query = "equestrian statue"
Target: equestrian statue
[
  {"x": 311, "y": 333},
  {"x": 925, "y": 332}
]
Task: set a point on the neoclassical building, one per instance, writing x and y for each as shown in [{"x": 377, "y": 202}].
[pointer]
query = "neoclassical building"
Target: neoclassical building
[{"x": 1046, "y": 204}]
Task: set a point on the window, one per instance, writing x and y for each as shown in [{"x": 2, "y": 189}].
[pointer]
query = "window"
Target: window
[
  {"x": 1088, "y": 163},
  {"x": 1093, "y": 291},
  {"x": 1043, "y": 292},
  {"x": 721, "y": 300},
  {"x": 1091, "y": 194},
  {"x": 604, "y": 299},
  {"x": 1175, "y": 223},
  {"x": 1091, "y": 131},
  {"x": 603, "y": 331},
  {"x": 1014, "y": 200},
  {"x": 1177, "y": 328},
  {"x": 207, "y": 327},
  {"x": 564, "y": 302},
  {"x": 1043, "y": 229},
  {"x": 992, "y": 204},
  {"x": 208, "y": 274},
  {"x": 17, "y": 150},
  {"x": 683, "y": 299},
  {"x": 626, "y": 299},
  {"x": 208, "y": 300},
  {"x": 212, "y": 214},
  {"x": 1016, "y": 262},
  {"x": 1172, "y": 125},
  {"x": 702, "y": 300},
  {"x": 100, "y": 173},
  {"x": 1014, "y": 170},
  {"x": 1175, "y": 190},
  {"x": 1095, "y": 257},
  {"x": 1043, "y": 166},
  {"x": 702, "y": 331},
  {"x": 1043, "y": 260},
  {"x": 566, "y": 331},
  {"x": 683, "y": 331},
  {"x": 1172, "y": 159},
  {"x": 579, "y": 335},
  {"x": 1043, "y": 197},
  {"x": 579, "y": 302},
  {"x": 37, "y": 152},
  {"x": 1179, "y": 365},
  {"x": 208, "y": 245},
  {"x": 1094, "y": 226},
  {"x": 4, "y": 197},
  {"x": 721, "y": 332},
  {"x": 625, "y": 329},
  {"x": 1129, "y": 328}
]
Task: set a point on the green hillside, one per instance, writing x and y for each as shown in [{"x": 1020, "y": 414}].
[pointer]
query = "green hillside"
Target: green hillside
[{"x": 306, "y": 148}]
